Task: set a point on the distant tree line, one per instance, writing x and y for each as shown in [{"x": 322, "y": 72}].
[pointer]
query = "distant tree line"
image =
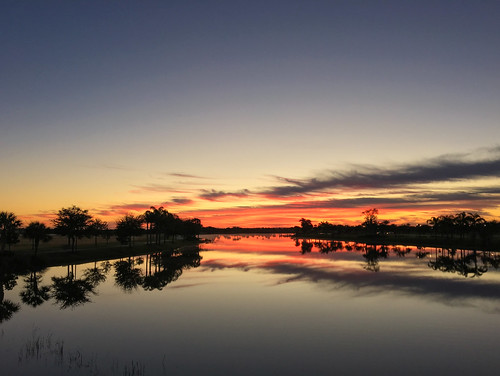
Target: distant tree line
[
  {"x": 459, "y": 226},
  {"x": 248, "y": 230},
  {"x": 75, "y": 223}
]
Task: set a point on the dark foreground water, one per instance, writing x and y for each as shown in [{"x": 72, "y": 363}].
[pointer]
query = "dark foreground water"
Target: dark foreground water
[{"x": 258, "y": 306}]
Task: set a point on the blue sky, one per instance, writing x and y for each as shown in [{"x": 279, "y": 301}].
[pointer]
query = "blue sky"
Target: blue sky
[{"x": 102, "y": 99}]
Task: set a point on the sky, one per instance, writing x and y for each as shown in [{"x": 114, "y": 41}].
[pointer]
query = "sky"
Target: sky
[{"x": 250, "y": 113}]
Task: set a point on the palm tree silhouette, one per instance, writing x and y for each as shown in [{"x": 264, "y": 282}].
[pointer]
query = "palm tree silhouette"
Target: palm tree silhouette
[
  {"x": 9, "y": 226},
  {"x": 36, "y": 231}
]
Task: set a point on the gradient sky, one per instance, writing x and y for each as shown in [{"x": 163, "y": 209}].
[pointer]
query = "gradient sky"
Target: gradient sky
[{"x": 252, "y": 113}]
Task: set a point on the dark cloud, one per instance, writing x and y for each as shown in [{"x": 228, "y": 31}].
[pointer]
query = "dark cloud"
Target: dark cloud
[
  {"x": 181, "y": 200},
  {"x": 213, "y": 195},
  {"x": 441, "y": 169},
  {"x": 478, "y": 196},
  {"x": 394, "y": 180}
]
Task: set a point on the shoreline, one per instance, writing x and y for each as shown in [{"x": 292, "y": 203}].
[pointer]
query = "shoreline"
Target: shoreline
[
  {"x": 465, "y": 244},
  {"x": 25, "y": 261}
]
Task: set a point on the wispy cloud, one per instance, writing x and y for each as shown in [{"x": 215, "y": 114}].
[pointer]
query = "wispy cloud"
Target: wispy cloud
[
  {"x": 114, "y": 166},
  {"x": 213, "y": 195},
  {"x": 179, "y": 201},
  {"x": 189, "y": 176},
  {"x": 441, "y": 169},
  {"x": 160, "y": 188},
  {"x": 445, "y": 168}
]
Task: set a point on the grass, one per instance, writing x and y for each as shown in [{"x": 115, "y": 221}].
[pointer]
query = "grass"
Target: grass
[
  {"x": 44, "y": 350},
  {"x": 56, "y": 253}
]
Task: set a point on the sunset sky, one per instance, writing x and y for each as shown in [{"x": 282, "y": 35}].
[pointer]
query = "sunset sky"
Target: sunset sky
[{"x": 250, "y": 113}]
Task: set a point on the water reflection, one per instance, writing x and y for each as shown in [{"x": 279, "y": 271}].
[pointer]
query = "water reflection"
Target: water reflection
[
  {"x": 466, "y": 263},
  {"x": 76, "y": 288},
  {"x": 7, "y": 282},
  {"x": 251, "y": 305},
  {"x": 368, "y": 269},
  {"x": 160, "y": 269},
  {"x": 70, "y": 291},
  {"x": 33, "y": 293}
]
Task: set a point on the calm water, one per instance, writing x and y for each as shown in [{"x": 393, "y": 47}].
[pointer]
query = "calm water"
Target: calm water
[{"x": 258, "y": 306}]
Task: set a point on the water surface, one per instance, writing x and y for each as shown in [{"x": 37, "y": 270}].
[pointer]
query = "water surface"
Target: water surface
[{"x": 264, "y": 305}]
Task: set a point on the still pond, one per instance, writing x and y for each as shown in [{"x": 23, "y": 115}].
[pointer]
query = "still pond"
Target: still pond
[{"x": 258, "y": 305}]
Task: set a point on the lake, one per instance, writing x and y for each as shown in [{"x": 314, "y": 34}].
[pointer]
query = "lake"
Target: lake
[{"x": 258, "y": 305}]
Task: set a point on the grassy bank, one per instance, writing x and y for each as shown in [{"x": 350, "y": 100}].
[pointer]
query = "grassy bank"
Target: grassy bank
[{"x": 56, "y": 253}]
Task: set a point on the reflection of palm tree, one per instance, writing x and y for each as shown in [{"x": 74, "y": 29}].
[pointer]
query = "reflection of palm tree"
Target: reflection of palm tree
[
  {"x": 460, "y": 265},
  {"x": 168, "y": 267},
  {"x": 96, "y": 275},
  {"x": 7, "y": 307},
  {"x": 69, "y": 291},
  {"x": 34, "y": 295}
]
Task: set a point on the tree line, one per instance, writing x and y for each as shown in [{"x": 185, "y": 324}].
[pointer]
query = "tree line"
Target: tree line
[
  {"x": 460, "y": 226},
  {"x": 74, "y": 223}
]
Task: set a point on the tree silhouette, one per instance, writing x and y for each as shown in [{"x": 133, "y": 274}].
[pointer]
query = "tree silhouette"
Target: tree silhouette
[
  {"x": 9, "y": 229},
  {"x": 127, "y": 228},
  {"x": 192, "y": 228},
  {"x": 306, "y": 225},
  {"x": 72, "y": 222},
  {"x": 96, "y": 228},
  {"x": 370, "y": 220},
  {"x": 36, "y": 231}
]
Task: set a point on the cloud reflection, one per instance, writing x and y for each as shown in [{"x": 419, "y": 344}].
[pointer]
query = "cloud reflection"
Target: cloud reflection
[{"x": 344, "y": 270}]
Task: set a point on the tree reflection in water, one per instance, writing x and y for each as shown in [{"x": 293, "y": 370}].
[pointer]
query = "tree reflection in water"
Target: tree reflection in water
[
  {"x": 7, "y": 282},
  {"x": 373, "y": 254},
  {"x": 161, "y": 269},
  {"x": 69, "y": 291},
  {"x": 97, "y": 275},
  {"x": 33, "y": 294},
  {"x": 126, "y": 275},
  {"x": 466, "y": 263}
]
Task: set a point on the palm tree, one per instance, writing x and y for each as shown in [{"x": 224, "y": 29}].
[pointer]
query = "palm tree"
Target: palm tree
[
  {"x": 9, "y": 226},
  {"x": 148, "y": 217},
  {"x": 36, "y": 231}
]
